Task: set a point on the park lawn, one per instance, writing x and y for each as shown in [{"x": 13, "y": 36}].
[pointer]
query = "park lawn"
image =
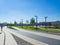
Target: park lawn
[
  {"x": 50, "y": 30},
  {"x": 27, "y": 27},
  {"x": 38, "y": 29}
]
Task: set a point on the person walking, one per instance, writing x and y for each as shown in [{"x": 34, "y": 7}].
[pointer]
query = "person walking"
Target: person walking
[{"x": 1, "y": 25}]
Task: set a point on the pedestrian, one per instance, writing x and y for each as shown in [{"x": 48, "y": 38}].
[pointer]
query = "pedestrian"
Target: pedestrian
[{"x": 1, "y": 28}]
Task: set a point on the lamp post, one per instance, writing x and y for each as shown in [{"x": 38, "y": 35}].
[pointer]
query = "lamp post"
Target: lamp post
[
  {"x": 22, "y": 22},
  {"x": 36, "y": 22},
  {"x": 45, "y": 22}
]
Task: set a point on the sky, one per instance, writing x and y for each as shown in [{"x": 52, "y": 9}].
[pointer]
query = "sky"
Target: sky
[{"x": 15, "y": 10}]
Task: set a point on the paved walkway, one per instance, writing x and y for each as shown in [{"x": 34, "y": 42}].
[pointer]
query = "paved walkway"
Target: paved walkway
[
  {"x": 1, "y": 39},
  {"x": 41, "y": 34},
  {"x": 28, "y": 39},
  {"x": 7, "y": 39}
]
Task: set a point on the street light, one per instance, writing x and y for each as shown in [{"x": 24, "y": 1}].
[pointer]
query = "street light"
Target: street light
[
  {"x": 22, "y": 22},
  {"x": 36, "y": 22},
  {"x": 45, "y": 22}
]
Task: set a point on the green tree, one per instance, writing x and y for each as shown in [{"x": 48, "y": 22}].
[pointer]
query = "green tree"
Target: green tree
[
  {"x": 15, "y": 23},
  {"x": 9, "y": 24},
  {"x": 32, "y": 21}
]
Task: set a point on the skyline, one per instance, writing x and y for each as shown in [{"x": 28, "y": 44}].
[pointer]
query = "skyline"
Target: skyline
[{"x": 15, "y": 10}]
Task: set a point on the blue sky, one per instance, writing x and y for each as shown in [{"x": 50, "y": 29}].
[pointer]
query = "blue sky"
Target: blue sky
[{"x": 15, "y": 10}]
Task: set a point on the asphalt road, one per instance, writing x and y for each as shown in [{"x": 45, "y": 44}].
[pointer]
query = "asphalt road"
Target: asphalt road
[{"x": 44, "y": 39}]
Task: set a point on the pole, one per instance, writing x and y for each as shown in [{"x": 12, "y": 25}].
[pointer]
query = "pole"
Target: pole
[
  {"x": 36, "y": 22},
  {"x": 45, "y": 22},
  {"x": 22, "y": 22}
]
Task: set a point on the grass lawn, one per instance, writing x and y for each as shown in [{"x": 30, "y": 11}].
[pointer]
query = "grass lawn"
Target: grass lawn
[{"x": 38, "y": 29}]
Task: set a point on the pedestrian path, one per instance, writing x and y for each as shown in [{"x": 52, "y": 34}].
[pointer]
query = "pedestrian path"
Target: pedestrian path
[
  {"x": 41, "y": 34},
  {"x": 30, "y": 40},
  {"x": 1, "y": 39},
  {"x": 7, "y": 39}
]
